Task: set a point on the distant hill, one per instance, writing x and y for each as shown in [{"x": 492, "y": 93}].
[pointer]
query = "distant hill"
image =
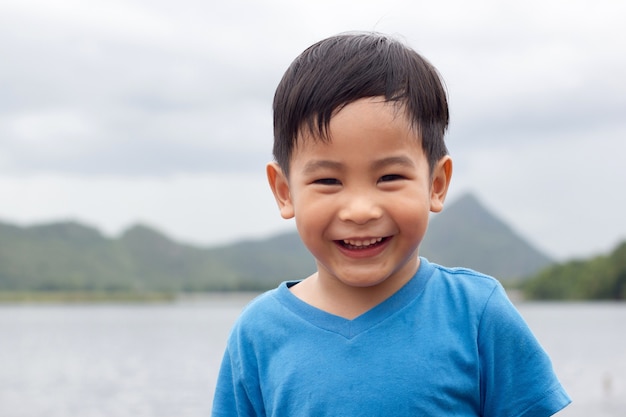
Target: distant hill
[
  {"x": 69, "y": 256},
  {"x": 466, "y": 234}
]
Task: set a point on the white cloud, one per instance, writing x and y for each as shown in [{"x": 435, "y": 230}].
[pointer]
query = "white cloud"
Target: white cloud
[
  {"x": 121, "y": 20},
  {"x": 36, "y": 130}
]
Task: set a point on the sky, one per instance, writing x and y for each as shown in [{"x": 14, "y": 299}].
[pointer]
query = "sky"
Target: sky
[{"x": 158, "y": 112}]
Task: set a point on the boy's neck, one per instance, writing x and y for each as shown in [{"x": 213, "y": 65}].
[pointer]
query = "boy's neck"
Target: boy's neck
[{"x": 345, "y": 301}]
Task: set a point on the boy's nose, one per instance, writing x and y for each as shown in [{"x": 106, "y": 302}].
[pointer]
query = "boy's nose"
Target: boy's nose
[{"x": 360, "y": 210}]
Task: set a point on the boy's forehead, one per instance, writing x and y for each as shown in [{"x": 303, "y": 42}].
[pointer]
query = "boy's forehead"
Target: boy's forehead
[
  {"x": 365, "y": 113},
  {"x": 376, "y": 106}
]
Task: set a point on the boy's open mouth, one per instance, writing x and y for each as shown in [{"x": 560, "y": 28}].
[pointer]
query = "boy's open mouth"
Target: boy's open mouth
[{"x": 359, "y": 244}]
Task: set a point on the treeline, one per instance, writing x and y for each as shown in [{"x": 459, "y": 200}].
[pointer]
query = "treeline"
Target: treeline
[
  {"x": 70, "y": 258},
  {"x": 599, "y": 278}
]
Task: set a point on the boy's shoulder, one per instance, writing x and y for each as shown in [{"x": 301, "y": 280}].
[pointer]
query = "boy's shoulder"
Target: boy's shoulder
[
  {"x": 460, "y": 272},
  {"x": 468, "y": 293},
  {"x": 462, "y": 278}
]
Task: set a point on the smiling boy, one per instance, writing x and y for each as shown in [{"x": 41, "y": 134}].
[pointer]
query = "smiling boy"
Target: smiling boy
[
  {"x": 360, "y": 162},
  {"x": 361, "y": 200}
]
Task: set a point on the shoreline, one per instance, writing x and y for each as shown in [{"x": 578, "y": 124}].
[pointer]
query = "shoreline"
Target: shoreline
[{"x": 71, "y": 297}]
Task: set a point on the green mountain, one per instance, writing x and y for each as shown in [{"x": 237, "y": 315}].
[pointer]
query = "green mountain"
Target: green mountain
[{"x": 69, "y": 256}]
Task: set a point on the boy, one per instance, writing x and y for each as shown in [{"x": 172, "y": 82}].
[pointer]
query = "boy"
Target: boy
[{"x": 360, "y": 162}]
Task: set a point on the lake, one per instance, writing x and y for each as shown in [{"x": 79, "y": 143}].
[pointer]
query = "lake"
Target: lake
[{"x": 161, "y": 360}]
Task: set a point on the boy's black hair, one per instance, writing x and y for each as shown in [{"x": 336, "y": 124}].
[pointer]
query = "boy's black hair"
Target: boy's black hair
[{"x": 344, "y": 68}]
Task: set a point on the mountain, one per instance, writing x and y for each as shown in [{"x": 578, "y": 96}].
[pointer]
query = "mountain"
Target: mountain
[
  {"x": 69, "y": 256},
  {"x": 466, "y": 234}
]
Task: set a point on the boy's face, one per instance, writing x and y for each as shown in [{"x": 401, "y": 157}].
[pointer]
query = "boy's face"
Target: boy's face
[{"x": 361, "y": 201}]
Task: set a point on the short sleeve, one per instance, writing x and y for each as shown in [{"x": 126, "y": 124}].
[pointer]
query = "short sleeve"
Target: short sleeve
[
  {"x": 231, "y": 395},
  {"x": 517, "y": 378}
]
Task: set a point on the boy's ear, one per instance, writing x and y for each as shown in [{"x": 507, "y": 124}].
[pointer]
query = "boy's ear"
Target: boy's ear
[
  {"x": 442, "y": 174},
  {"x": 280, "y": 187}
]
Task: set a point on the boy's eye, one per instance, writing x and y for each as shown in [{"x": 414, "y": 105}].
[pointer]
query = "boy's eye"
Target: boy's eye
[
  {"x": 390, "y": 177},
  {"x": 327, "y": 181}
]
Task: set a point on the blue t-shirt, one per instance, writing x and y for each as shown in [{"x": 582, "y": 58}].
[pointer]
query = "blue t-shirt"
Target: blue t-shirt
[{"x": 448, "y": 343}]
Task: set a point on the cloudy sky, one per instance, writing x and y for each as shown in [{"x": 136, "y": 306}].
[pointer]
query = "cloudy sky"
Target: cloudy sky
[{"x": 122, "y": 111}]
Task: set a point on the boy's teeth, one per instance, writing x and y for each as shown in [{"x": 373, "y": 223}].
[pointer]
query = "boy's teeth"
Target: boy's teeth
[{"x": 365, "y": 242}]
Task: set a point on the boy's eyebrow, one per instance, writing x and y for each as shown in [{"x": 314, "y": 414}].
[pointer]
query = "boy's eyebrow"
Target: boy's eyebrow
[
  {"x": 394, "y": 160},
  {"x": 313, "y": 166}
]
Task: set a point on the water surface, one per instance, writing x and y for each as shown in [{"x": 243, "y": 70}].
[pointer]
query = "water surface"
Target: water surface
[{"x": 161, "y": 360}]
